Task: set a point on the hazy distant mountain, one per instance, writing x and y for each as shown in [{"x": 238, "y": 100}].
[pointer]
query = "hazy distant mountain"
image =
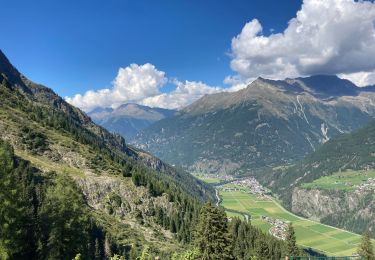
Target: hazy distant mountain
[
  {"x": 267, "y": 124},
  {"x": 129, "y": 119}
]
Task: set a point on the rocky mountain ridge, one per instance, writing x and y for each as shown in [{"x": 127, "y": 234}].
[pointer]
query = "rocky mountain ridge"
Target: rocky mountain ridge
[
  {"x": 267, "y": 124},
  {"x": 128, "y": 119}
]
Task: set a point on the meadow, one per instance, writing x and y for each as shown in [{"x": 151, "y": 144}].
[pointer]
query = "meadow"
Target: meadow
[
  {"x": 346, "y": 180},
  {"x": 210, "y": 180}
]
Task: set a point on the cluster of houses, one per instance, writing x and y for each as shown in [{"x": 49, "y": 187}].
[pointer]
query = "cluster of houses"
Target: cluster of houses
[
  {"x": 279, "y": 227},
  {"x": 253, "y": 185}
]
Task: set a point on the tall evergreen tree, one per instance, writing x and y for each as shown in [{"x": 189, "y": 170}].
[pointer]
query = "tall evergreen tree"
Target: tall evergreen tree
[
  {"x": 212, "y": 237},
  {"x": 262, "y": 250},
  {"x": 292, "y": 248},
  {"x": 64, "y": 223},
  {"x": 366, "y": 250},
  {"x": 17, "y": 218}
]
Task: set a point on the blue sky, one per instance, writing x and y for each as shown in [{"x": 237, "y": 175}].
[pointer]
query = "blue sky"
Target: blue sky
[
  {"x": 74, "y": 46},
  {"x": 169, "y": 53}
]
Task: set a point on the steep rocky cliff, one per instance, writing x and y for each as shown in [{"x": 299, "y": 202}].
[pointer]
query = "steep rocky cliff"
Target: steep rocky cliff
[{"x": 354, "y": 210}]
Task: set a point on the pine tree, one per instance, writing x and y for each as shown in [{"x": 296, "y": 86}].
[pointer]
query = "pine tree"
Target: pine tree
[
  {"x": 64, "y": 222},
  {"x": 292, "y": 248},
  {"x": 17, "y": 221},
  {"x": 262, "y": 249},
  {"x": 212, "y": 237},
  {"x": 366, "y": 250}
]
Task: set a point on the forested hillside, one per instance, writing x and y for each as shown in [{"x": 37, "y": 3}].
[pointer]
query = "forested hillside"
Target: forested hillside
[
  {"x": 127, "y": 192},
  {"x": 71, "y": 189}
]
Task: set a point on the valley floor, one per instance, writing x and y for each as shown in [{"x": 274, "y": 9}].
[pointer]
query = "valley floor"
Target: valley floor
[{"x": 267, "y": 214}]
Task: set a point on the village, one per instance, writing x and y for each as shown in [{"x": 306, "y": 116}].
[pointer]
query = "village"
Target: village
[
  {"x": 251, "y": 183},
  {"x": 279, "y": 227}
]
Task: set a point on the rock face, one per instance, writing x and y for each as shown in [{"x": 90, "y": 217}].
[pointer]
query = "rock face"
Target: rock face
[
  {"x": 128, "y": 119},
  {"x": 267, "y": 124},
  {"x": 114, "y": 196},
  {"x": 352, "y": 210}
]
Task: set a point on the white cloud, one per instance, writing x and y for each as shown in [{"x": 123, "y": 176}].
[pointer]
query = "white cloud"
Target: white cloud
[
  {"x": 325, "y": 37},
  {"x": 132, "y": 84},
  {"x": 362, "y": 79},
  {"x": 141, "y": 84},
  {"x": 185, "y": 93}
]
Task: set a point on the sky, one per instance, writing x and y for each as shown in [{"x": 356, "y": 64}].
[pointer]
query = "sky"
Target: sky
[{"x": 168, "y": 53}]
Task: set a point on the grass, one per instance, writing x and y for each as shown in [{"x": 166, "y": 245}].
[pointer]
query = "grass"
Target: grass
[
  {"x": 45, "y": 164},
  {"x": 329, "y": 240},
  {"x": 209, "y": 180},
  {"x": 347, "y": 180}
]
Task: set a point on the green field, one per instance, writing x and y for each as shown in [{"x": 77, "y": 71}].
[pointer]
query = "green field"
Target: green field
[
  {"x": 329, "y": 240},
  {"x": 347, "y": 180},
  {"x": 210, "y": 180}
]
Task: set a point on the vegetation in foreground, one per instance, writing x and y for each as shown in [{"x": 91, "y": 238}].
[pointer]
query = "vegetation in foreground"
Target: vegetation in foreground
[{"x": 62, "y": 226}]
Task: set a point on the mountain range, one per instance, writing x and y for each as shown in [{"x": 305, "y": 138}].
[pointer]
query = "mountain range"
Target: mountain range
[
  {"x": 267, "y": 124},
  {"x": 128, "y": 119},
  {"x": 70, "y": 188}
]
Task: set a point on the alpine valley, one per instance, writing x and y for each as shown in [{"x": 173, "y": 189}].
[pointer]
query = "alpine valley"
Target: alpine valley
[
  {"x": 310, "y": 140},
  {"x": 71, "y": 189},
  {"x": 187, "y": 130}
]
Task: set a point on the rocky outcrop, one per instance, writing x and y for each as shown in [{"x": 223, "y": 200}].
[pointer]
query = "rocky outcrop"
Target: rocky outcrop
[
  {"x": 115, "y": 196},
  {"x": 352, "y": 210}
]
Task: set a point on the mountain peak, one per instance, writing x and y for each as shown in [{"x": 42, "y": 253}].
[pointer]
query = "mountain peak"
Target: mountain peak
[{"x": 330, "y": 85}]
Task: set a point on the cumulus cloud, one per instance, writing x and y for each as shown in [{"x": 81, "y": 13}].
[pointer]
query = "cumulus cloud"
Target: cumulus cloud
[
  {"x": 132, "y": 84},
  {"x": 362, "y": 79},
  {"x": 185, "y": 93},
  {"x": 325, "y": 37},
  {"x": 141, "y": 84}
]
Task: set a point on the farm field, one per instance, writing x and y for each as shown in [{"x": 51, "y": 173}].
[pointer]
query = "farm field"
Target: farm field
[
  {"x": 346, "y": 180},
  {"x": 329, "y": 240}
]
